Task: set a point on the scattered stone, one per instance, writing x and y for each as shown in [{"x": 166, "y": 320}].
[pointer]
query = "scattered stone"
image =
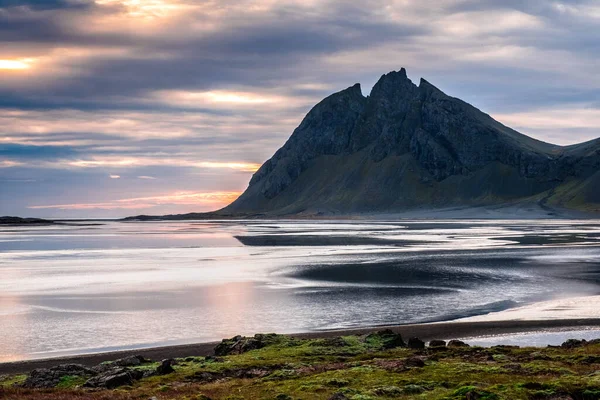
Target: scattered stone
[
  {"x": 415, "y": 362},
  {"x": 457, "y": 343},
  {"x": 165, "y": 367},
  {"x": 131, "y": 361},
  {"x": 240, "y": 344},
  {"x": 413, "y": 389},
  {"x": 437, "y": 343},
  {"x": 502, "y": 348},
  {"x": 573, "y": 343},
  {"x": 389, "y": 338},
  {"x": 415, "y": 343},
  {"x": 388, "y": 391},
  {"x": 240, "y": 373},
  {"x": 338, "y": 396},
  {"x": 250, "y": 373},
  {"x": 113, "y": 378},
  {"x": 50, "y": 377},
  {"x": 204, "y": 377},
  {"x": 338, "y": 382},
  {"x": 392, "y": 365}
]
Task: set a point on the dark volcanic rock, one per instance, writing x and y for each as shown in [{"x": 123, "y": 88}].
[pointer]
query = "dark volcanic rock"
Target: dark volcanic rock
[
  {"x": 205, "y": 377},
  {"x": 114, "y": 377},
  {"x": 50, "y": 377},
  {"x": 131, "y": 361},
  {"x": 415, "y": 343},
  {"x": 415, "y": 362},
  {"x": 437, "y": 343},
  {"x": 338, "y": 396},
  {"x": 407, "y": 146},
  {"x": 457, "y": 343},
  {"x": 389, "y": 338},
  {"x": 165, "y": 367},
  {"x": 573, "y": 343},
  {"x": 241, "y": 344}
]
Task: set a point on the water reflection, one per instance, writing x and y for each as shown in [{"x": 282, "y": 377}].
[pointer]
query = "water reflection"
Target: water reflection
[{"x": 70, "y": 289}]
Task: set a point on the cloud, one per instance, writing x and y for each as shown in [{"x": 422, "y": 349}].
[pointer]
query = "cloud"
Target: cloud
[
  {"x": 113, "y": 176},
  {"x": 45, "y": 4},
  {"x": 202, "y": 92},
  {"x": 201, "y": 199},
  {"x": 9, "y": 163},
  {"x": 16, "y": 64}
]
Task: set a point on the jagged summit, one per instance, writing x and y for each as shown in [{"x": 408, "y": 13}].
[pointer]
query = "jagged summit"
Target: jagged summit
[{"x": 406, "y": 146}]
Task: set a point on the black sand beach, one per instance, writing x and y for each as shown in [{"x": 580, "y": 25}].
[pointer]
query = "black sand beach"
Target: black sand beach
[{"x": 426, "y": 332}]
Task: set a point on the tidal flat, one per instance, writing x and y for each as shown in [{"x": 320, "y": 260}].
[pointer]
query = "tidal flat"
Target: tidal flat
[{"x": 82, "y": 289}]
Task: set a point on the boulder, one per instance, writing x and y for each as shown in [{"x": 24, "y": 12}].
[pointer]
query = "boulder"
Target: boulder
[
  {"x": 165, "y": 367},
  {"x": 457, "y": 343},
  {"x": 437, "y": 343},
  {"x": 415, "y": 343},
  {"x": 114, "y": 377},
  {"x": 573, "y": 343},
  {"x": 389, "y": 338},
  {"x": 50, "y": 377},
  {"x": 415, "y": 362},
  {"x": 131, "y": 361},
  {"x": 241, "y": 344}
]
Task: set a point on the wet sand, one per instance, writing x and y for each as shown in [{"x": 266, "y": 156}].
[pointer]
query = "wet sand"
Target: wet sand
[{"x": 426, "y": 332}]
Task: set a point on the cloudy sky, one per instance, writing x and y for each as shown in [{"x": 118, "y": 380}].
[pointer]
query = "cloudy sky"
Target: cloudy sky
[{"x": 121, "y": 107}]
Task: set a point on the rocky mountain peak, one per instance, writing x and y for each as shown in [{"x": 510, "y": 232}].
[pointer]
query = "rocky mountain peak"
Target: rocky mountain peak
[
  {"x": 407, "y": 146},
  {"x": 392, "y": 84}
]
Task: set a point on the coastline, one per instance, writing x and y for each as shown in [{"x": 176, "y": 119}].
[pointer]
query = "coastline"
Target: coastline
[{"x": 426, "y": 331}]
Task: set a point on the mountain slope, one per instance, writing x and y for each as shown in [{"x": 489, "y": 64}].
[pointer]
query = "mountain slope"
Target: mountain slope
[{"x": 407, "y": 146}]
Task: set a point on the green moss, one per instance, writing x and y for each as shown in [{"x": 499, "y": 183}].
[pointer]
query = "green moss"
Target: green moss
[
  {"x": 8, "y": 381},
  {"x": 362, "y": 368},
  {"x": 71, "y": 381}
]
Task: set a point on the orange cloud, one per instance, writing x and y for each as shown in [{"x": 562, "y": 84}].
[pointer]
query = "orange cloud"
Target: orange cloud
[
  {"x": 115, "y": 161},
  {"x": 213, "y": 199},
  {"x": 16, "y": 64},
  {"x": 9, "y": 163},
  {"x": 147, "y": 9}
]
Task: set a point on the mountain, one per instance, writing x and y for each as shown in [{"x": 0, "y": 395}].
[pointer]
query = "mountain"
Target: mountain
[
  {"x": 408, "y": 147},
  {"x": 8, "y": 220}
]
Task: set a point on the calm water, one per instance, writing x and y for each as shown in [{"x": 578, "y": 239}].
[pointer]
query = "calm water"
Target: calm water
[{"x": 82, "y": 288}]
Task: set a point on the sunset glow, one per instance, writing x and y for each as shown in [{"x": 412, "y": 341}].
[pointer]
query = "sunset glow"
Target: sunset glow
[
  {"x": 186, "y": 95},
  {"x": 149, "y": 161},
  {"x": 240, "y": 166},
  {"x": 17, "y": 64},
  {"x": 183, "y": 198},
  {"x": 144, "y": 8}
]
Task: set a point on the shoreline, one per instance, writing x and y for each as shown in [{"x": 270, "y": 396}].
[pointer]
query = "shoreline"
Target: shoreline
[{"x": 426, "y": 331}]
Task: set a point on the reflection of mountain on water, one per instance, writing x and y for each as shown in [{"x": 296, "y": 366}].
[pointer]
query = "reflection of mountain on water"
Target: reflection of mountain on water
[{"x": 322, "y": 240}]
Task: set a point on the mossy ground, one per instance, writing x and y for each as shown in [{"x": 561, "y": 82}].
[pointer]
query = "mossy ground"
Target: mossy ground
[{"x": 361, "y": 369}]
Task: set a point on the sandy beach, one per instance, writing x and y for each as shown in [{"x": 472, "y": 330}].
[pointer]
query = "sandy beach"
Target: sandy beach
[{"x": 426, "y": 332}]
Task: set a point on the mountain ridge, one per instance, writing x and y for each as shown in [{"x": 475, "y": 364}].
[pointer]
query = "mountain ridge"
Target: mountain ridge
[
  {"x": 428, "y": 142},
  {"x": 407, "y": 147}
]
